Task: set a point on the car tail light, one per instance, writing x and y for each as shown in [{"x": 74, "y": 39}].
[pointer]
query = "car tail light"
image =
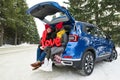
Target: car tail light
[
  {"x": 73, "y": 38},
  {"x": 67, "y": 56}
]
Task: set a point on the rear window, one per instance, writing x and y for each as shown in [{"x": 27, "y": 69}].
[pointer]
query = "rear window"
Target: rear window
[{"x": 55, "y": 18}]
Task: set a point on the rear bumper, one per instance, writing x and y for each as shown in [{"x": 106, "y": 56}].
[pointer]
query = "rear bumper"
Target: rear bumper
[{"x": 70, "y": 62}]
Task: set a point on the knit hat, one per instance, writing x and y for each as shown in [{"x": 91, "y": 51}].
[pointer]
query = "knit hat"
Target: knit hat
[
  {"x": 47, "y": 26},
  {"x": 59, "y": 25}
]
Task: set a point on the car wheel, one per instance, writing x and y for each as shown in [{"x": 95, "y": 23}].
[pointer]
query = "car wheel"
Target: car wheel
[
  {"x": 87, "y": 63},
  {"x": 113, "y": 55}
]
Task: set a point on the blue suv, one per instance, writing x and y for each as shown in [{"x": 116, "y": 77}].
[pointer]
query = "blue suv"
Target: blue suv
[{"x": 87, "y": 43}]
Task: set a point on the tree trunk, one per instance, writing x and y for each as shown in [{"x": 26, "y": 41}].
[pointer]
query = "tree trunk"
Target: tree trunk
[
  {"x": 96, "y": 13},
  {"x": 16, "y": 37},
  {"x": 1, "y": 35}
]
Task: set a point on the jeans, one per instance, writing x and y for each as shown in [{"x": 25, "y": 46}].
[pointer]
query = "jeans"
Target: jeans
[{"x": 40, "y": 55}]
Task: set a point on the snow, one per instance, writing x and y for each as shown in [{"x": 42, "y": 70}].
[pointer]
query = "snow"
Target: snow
[
  {"x": 118, "y": 50},
  {"x": 15, "y": 65},
  {"x": 8, "y": 45}
]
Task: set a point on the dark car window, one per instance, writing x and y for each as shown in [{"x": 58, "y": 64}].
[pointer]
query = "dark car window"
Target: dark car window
[
  {"x": 95, "y": 31},
  {"x": 89, "y": 30},
  {"x": 100, "y": 33}
]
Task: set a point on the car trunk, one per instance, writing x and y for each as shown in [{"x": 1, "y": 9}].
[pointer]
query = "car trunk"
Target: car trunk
[{"x": 45, "y": 9}]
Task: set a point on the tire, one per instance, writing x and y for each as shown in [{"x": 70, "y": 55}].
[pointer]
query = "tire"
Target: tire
[
  {"x": 113, "y": 55},
  {"x": 87, "y": 63}
]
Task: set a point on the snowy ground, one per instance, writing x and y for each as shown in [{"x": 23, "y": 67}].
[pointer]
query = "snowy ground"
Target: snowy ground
[{"x": 15, "y": 65}]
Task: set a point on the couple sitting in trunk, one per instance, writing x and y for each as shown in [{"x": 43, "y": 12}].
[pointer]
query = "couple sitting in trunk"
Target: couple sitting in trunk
[{"x": 52, "y": 44}]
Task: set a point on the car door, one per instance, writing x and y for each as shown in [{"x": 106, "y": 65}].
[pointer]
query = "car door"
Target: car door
[
  {"x": 103, "y": 43},
  {"x": 96, "y": 41}
]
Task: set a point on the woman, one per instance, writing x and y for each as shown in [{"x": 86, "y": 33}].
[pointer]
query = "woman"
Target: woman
[{"x": 44, "y": 43}]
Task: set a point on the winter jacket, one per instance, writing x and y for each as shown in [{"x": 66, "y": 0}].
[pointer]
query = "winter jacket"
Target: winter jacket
[
  {"x": 50, "y": 40},
  {"x": 47, "y": 39},
  {"x": 63, "y": 43},
  {"x": 60, "y": 33},
  {"x": 63, "y": 37}
]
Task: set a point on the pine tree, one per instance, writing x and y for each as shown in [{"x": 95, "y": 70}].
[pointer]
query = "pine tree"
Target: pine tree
[
  {"x": 15, "y": 25},
  {"x": 103, "y": 13}
]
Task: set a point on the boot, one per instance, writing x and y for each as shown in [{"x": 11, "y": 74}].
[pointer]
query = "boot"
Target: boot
[
  {"x": 36, "y": 65},
  {"x": 48, "y": 67},
  {"x": 57, "y": 58},
  {"x": 35, "y": 68},
  {"x": 44, "y": 65}
]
